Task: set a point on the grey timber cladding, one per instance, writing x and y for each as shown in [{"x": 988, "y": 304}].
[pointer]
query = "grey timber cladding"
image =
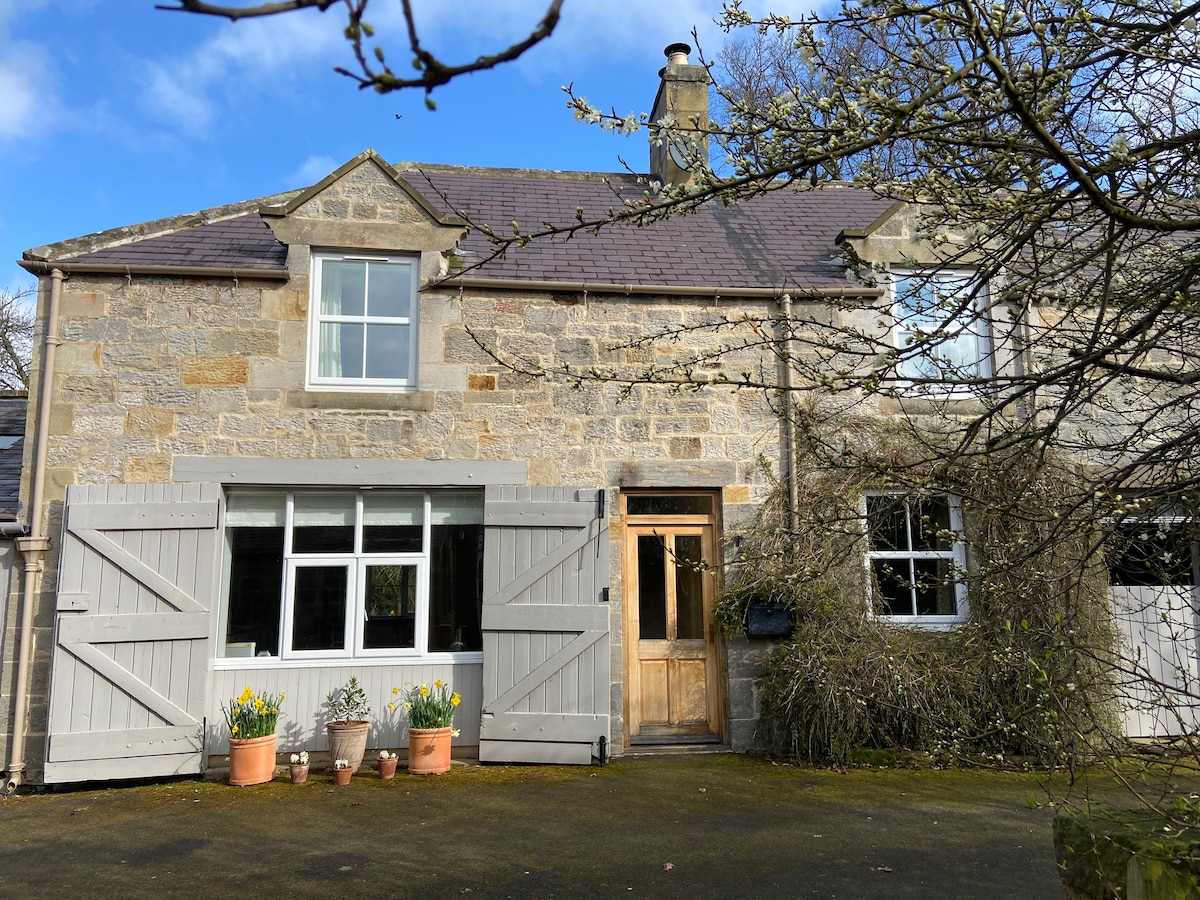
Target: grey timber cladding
[
  {"x": 545, "y": 625},
  {"x": 130, "y": 660}
]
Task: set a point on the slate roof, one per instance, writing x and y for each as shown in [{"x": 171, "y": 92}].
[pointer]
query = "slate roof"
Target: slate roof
[
  {"x": 12, "y": 424},
  {"x": 244, "y": 242},
  {"x": 781, "y": 240}
]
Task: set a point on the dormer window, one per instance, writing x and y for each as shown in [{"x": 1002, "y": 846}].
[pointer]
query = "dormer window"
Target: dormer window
[
  {"x": 940, "y": 331},
  {"x": 362, "y": 329}
]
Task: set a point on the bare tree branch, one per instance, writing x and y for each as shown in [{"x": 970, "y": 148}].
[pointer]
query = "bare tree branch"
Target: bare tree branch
[{"x": 373, "y": 69}]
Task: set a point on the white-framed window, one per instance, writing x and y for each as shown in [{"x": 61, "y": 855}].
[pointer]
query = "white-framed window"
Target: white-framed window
[
  {"x": 916, "y": 558},
  {"x": 362, "y": 324},
  {"x": 337, "y": 574},
  {"x": 940, "y": 329},
  {"x": 1160, "y": 547}
]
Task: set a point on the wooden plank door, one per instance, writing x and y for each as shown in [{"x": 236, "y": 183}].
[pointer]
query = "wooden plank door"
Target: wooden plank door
[
  {"x": 674, "y": 690},
  {"x": 545, "y": 625},
  {"x": 137, "y": 578},
  {"x": 1159, "y": 668}
]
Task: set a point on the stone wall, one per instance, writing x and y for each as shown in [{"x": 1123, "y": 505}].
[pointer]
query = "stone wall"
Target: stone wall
[{"x": 155, "y": 368}]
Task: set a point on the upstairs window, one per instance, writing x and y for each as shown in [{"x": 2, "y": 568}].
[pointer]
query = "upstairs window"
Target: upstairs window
[
  {"x": 916, "y": 558},
  {"x": 940, "y": 331},
  {"x": 362, "y": 330},
  {"x": 339, "y": 574}
]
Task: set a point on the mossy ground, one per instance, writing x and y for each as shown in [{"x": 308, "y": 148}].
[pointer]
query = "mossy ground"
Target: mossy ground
[{"x": 696, "y": 826}]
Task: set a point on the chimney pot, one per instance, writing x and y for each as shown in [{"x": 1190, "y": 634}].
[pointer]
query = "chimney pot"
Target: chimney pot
[{"x": 677, "y": 54}]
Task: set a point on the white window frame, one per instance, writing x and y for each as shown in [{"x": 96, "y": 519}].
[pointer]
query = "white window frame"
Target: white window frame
[
  {"x": 313, "y": 379},
  {"x": 956, "y": 554},
  {"x": 960, "y": 282},
  {"x": 355, "y": 561}
]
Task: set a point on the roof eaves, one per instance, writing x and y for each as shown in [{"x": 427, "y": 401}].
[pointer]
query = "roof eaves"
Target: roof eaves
[{"x": 129, "y": 234}]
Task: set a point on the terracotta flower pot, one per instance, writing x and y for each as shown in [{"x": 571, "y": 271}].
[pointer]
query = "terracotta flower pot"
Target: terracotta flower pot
[
  {"x": 342, "y": 776},
  {"x": 251, "y": 760},
  {"x": 348, "y": 741},
  {"x": 299, "y": 773},
  {"x": 387, "y": 767},
  {"x": 428, "y": 751}
]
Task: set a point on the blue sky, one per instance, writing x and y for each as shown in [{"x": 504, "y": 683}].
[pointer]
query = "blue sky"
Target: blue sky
[{"x": 114, "y": 113}]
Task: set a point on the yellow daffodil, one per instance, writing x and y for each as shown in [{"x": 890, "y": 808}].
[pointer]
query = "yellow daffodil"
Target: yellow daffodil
[
  {"x": 455, "y": 699},
  {"x": 424, "y": 690},
  {"x": 395, "y": 691},
  {"x": 438, "y": 683}
]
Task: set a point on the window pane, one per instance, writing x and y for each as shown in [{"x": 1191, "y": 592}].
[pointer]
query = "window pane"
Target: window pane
[
  {"x": 389, "y": 289},
  {"x": 341, "y": 350},
  {"x": 652, "y": 588},
  {"x": 392, "y": 521},
  {"x": 455, "y": 587},
  {"x": 343, "y": 287},
  {"x": 389, "y": 351},
  {"x": 935, "y": 594},
  {"x": 894, "y": 581},
  {"x": 669, "y": 505},
  {"x": 259, "y": 510},
  {"x": 930, "y": 523},
  {"x": 886, "y": 519},
  {"x": 390, "y": 601},
  {"x": 323, "y": 523},
  {"x": 255, "y": 590},
  {"x": 457, "y": 508},
  {"x": 689, "y": 588},
  {"x": 319, "y": 608},
  {"x": 1151, "y": 554}
]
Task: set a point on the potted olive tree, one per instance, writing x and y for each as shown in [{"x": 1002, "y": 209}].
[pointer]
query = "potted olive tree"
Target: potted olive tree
[{"x": 349, "y": 720}]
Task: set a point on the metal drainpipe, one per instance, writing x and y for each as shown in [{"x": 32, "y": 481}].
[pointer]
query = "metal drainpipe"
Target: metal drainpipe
[
  {"x": 34, "y": 547},
  {"x": 785, "y": 306}
]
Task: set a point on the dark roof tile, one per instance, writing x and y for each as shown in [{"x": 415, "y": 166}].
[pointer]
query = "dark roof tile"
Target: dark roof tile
[{"x": 245, "y": 242}]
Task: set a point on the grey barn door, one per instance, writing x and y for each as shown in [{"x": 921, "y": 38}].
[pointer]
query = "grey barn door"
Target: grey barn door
[
  {"x": 545, "y": 625},
  {"x": 128, "y": 681}
]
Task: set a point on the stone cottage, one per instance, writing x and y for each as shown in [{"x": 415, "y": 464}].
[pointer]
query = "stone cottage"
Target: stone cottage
[{"x": 298, "y": 438}]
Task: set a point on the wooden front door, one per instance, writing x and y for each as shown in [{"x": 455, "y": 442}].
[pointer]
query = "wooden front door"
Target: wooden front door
[{"x": 672, "y": 662}]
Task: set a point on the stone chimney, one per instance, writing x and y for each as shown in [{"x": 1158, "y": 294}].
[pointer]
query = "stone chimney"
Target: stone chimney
[{"x": 682, "y": 95}]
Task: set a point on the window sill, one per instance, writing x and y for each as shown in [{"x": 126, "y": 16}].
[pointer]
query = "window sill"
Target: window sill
[
  {"x": 924, "y": 623},
  {"x": 467, "y": 657},
  {"x": 328, "y": 398}
]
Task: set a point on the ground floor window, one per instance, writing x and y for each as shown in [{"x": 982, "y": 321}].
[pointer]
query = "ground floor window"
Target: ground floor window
[
  {"x": 916, "y": 557},
  {"x": 337, "y": 574},
  {"x": 1159, "y": 548}
]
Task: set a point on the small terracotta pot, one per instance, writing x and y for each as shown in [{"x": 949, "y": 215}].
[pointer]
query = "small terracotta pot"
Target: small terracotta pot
[
  {"x": 299, "y": 772},
  {"x": 342, "y": 776},
  {"x": 251, "y": 760},
  {"x": 387, "y": 767},
  {"x": 429, "y": 751}
]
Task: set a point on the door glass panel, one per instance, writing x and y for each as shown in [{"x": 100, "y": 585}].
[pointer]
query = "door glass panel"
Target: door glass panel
[
  {"x": 669, "y": 504},
  {"x": 390, "y": 599},
  {"x": 319, "y": 608},
  {"x": 689, "y": 588},
  {"x": 652, "y": 588}
]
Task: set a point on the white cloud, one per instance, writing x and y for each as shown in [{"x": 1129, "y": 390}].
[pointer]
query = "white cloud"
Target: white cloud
[
  {"x": 26, "y": 99},
  {"x": 620, "y": 32},
  {"x": 189, "y": 92},
  {"x": 312, "y": 170}
]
